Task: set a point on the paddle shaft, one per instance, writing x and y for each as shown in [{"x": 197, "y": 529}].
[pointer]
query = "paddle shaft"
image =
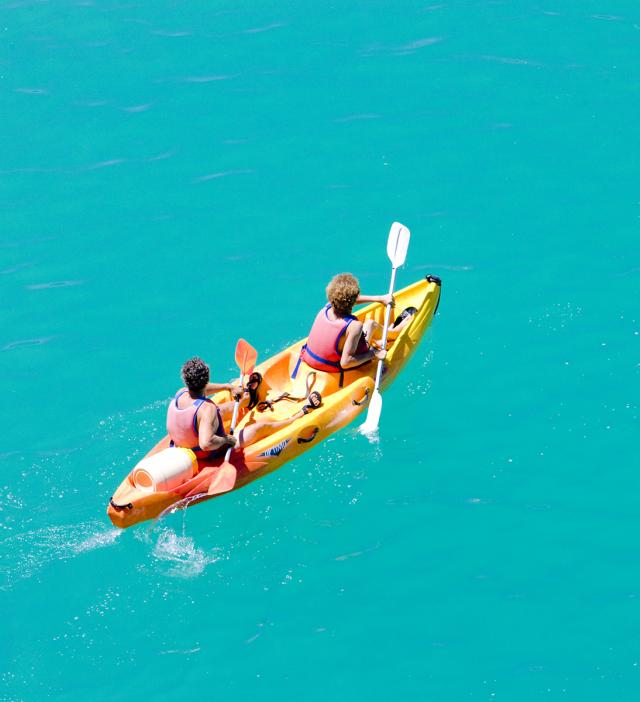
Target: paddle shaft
[
  {"x": 234, "y": 421},
  {"x": 385, "y": 329},
  {"x": 246, "y": 357}
]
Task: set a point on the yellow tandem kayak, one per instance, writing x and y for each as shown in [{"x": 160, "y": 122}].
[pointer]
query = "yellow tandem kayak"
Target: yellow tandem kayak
[{"x": 131, "y": 504}]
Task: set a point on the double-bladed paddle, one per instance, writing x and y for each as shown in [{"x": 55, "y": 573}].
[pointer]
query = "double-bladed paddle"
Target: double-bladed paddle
[{"x": 397, "y": 246}]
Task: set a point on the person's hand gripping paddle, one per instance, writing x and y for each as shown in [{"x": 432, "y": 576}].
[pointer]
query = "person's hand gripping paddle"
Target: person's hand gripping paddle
[
  {"x": 397, "y": 246},
  {"x": 225, "y": 478}
]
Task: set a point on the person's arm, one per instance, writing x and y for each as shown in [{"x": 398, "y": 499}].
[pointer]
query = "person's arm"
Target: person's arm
[
  {"x": 208, "y": 440},
  {"x": 382, "y": 299},
  {"x": 352, "y": 338},
  {"x": 213, "y": 388}
]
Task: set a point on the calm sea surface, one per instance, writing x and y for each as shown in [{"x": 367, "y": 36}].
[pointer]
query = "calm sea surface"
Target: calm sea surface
[{"x": 176, "y": 174}]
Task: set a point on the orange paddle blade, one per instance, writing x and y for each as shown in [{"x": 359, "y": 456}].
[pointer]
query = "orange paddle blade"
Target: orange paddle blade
[
  {"x": 246, "y": 357},
  {"x": 224, "y": 479}
]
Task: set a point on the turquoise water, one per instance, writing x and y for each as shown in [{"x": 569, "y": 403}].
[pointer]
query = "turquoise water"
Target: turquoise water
[{"x": 175, "y": 175}]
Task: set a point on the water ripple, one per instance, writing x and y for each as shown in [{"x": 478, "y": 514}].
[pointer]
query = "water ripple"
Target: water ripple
[
  {"x": 138, "y": 108},
  {"x": 160, "y": 157},
  {"x": 27, "y": 342},
  {"x": 402, "y": 49},
  {"x": 105, "y": 164},
  {"x": 92, "y": 103},
  {"x": 511, "y": 61},
  {"x": 16, "y": 268},
  {"x": 222, "y": 174},
  {"x": 266, "y": 28},
  {"x": 32, "y": 91},
  {"x": 420, "y": 43},
  {"x": 207, "y": 78},
  {"x": 171, "y": 34},
  {"x": 185, "y": 652},
  {"x": 54, "y": 284},
  {"x": 608, "y": 18},
  {"x": 442, "y": 266},
  {"x": 356, "y": 554}
]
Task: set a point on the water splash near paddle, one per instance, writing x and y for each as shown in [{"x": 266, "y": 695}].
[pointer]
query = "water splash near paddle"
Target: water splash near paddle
[
  {"x": 372, "y": 435},
  {"x": 186, "y": 560},
  {"x": 181, "y": 504}
]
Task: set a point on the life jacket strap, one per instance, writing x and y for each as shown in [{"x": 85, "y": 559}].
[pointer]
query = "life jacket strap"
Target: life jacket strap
[
  {"x": 298, "y": 362},
  {"x": 315, "y": 356}
]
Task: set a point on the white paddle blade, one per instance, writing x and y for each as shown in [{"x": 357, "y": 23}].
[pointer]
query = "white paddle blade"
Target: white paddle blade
[
  {"x": 370, "y": 425},
  {"x": 397, "y": 244}
]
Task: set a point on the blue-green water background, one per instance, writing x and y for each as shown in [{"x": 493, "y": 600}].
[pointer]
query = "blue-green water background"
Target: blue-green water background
[{"x": 177, "y": 174}]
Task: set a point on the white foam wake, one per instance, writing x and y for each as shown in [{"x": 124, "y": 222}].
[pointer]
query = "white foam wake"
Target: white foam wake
[{"x": 23, "y": 555}]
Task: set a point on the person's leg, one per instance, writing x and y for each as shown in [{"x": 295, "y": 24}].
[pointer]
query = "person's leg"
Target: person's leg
[
  {"x": 254, "y": 432},
  {"x": 373, "y": 332},
  {"x": 226, "y": 408},
  {"x": 370, "y": 327},
  {"x": 403, "y": 323},
  {"x": 393, "y": 331}
]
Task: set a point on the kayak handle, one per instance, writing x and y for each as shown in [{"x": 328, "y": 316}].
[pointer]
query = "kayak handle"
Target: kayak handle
[
  {"x": 119, "y": 508},
  {"x": 311, "y": 438},
  {"x": 438, "y": 282},
  {"x": 364, "y": 400}
]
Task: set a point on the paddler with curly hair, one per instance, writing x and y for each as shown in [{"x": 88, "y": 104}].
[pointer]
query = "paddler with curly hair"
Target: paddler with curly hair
[
  {"x": 338, "y": 341},
  {"x": 195, "y": 422}
]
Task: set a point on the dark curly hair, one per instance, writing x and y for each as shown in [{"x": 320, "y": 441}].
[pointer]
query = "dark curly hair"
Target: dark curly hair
[{"x": 195, "y": 374}]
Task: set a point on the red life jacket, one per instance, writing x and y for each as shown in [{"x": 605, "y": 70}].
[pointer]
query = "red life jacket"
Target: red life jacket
[
  {"x": 323, "y": 349},
  {"x": 182, "y": 426}
]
